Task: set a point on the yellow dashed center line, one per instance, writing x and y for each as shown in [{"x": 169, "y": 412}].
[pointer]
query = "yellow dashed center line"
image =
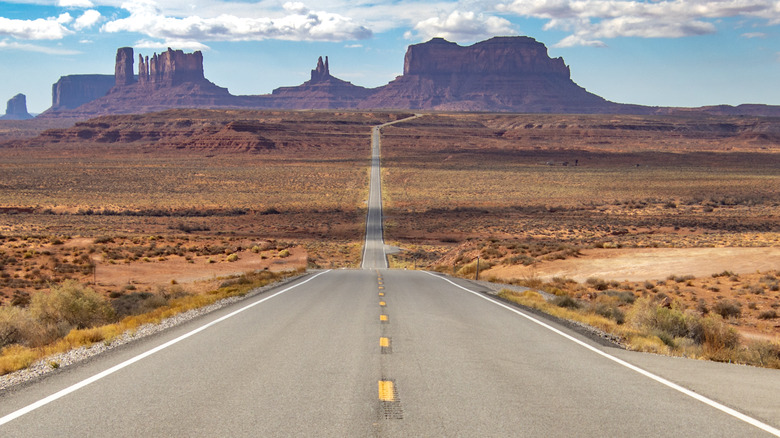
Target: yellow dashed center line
[
  {"x": 386, "y": 391},
  {"x": 382, "y": 303},
  {"x": 384, "y": 342},
  {"x": 383, "y": 318},
  {"x": 381, "y": 287},
  {"x": 381, "y": 294}
]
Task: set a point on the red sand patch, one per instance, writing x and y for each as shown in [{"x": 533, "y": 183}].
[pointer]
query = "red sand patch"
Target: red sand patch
[{"x": 637, "y": 264}]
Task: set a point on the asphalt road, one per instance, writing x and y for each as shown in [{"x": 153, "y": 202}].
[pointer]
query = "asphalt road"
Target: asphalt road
[
  {"x": 389, "y": 353},
  {"x": 311, "y": 362}
]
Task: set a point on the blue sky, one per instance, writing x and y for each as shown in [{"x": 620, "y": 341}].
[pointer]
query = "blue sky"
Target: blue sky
[{"x": 655, "y": 52}]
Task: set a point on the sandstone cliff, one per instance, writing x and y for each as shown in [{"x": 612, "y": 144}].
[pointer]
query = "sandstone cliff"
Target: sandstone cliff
[
  {"x": 17, "y": 108},
  {"x": 513, "y": 74},
  {"x": 172, "y": 67},
  {"x": 172, "y": 79},
  {"x": 123, "y": 69},
  {"x": 75, "y": 90},
  {"x": 503, "y": 74}
]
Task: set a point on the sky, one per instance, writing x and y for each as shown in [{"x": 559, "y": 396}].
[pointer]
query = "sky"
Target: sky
[{"x": 656, "y": 52}]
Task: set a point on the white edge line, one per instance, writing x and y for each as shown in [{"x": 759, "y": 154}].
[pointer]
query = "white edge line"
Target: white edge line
[
  {"x": 115, "y": 368},
  {"x": 750, "y": 420}
]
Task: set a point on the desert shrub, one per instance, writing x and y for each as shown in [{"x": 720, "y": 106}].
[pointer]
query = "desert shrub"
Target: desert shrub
[
  {"x": 20, "y": 299},
  {"x": 11, "y": 323},
  {"x": 566, "y": 301},
  {"x": 727, "y": 309},
  {"x": 766, "y": 354},
  {"x": 625, "y": 296},
  {"x": 71, "y": 305},
  {"x": 470, "y": 269},
  {"x": 712, "y": 333},
  {"x": 680, "y": 278},
  {"x": 234, "y": 257},
  {"x": 768, "y": 314},
  {"x": 723, "y": 274},
  {"x": 670, "y": 323},
  {"x": 597, "y": 283},
  {"x": 519, "y": 259},
  {"x": 609, "y": 311},
  {"x": 104, "y": 239},
  {"x": 137, "y": 303}
]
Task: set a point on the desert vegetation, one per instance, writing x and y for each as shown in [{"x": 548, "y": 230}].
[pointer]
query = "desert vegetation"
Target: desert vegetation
[
  {"x": 521, "y": 192},
  {"x": 681, "y": 315},
  {"x": 72, "y": 315},
  {"x": 136, "y": 208},
  {"x": 134, "y": 217}
]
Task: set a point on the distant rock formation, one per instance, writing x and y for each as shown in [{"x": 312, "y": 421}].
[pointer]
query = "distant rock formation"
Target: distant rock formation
[
  {"x": 17, "y": 108},
  {"x": 501, "y": 74},
  {"x": 123, "y": 69},
  {"x": 322, "y": 72},
  {"x": 75, "y": 90},
  {"x": 172, "y": 79},
  {"x": 172, "y": 67},
  {"x": 322, "y": 91}
]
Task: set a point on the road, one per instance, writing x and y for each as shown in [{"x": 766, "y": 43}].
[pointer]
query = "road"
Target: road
[
  {"x": 374, "y": 248},
  {"x": 388, "y": 353}
]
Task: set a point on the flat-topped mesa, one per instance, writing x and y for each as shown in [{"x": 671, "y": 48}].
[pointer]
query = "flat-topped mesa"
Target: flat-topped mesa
[
  {"x": 322, "y": 72},
  {"x": 74, "y": 90},
  {"x": 172, "y": 67},
  {"x": 500, "y": 55},
  {"x": 17, "y": 108}
]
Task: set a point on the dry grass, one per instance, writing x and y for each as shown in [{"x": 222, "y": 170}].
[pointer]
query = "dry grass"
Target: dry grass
[{"x": 650, "y": 323}]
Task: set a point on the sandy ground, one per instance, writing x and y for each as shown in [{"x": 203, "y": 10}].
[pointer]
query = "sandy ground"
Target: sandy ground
[
  {"x": 638, "y": 264},
  {"x": 192, "y": 275}
]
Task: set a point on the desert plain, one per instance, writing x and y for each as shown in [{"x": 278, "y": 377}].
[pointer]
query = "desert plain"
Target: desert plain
[{"x": 683, "y": 208}]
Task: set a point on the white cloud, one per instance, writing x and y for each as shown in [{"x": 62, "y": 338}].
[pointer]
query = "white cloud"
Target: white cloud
[
  {"x": 462, "y": 26},
  {"x": 88, "y": 19},
  {"x": 575, "y": 40},
  {"x": 64, "y": 18},
  {"x": 75, "y": 4},
  {"x": 589, "y": 20},
  {"x": 754, "y": 35},
  {"x": 51, "y": 28},
  {"x": 299, "y": 24},
  {"x": 26, "y": 47},
  {"x": 173, "y": 44}
]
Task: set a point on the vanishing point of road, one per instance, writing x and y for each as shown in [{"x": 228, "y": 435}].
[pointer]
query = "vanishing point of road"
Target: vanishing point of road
[{"x": 388, "y": 353}]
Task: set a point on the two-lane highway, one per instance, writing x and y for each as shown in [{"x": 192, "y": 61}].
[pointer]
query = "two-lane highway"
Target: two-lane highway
[
  {"x": 374, "y": 250},
  {"x": 390, "y": 353}
]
